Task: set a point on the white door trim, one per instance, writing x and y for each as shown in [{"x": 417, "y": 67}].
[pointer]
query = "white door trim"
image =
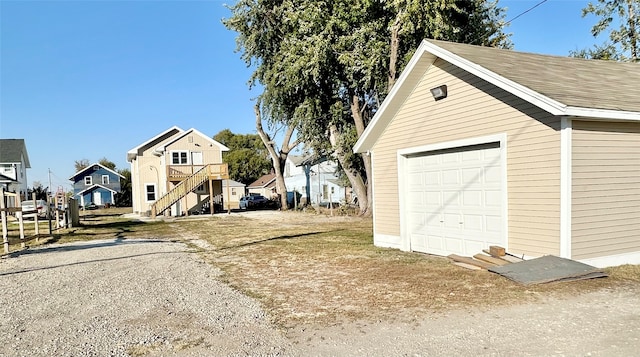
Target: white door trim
[{"x": 402, "y": 157}]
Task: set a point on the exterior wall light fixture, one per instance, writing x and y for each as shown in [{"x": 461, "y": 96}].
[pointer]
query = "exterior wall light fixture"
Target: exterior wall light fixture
[{"x": 439, "y": 92}]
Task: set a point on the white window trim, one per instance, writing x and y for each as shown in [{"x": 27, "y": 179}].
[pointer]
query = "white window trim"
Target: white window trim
[
  {"x": 146, "y": 192},
  {"x": 88, "y": 180},
  {"x": 179, "y": 152},
  {"x": 105, "y": 179}
]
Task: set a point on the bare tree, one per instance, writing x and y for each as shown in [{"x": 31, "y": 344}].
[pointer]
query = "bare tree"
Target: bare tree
[{"x": 278, "y": 157}]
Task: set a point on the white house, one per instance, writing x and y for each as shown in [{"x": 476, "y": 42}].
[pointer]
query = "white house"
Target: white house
[{"x": 315, "y": 179}]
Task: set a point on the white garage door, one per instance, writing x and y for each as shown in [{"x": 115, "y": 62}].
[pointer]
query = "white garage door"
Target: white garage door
[{"x": 454, "y": 200}]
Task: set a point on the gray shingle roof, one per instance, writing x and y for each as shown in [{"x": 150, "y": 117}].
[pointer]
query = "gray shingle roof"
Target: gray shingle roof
[
  {"x": 11, "y": 151},
  {"x": 571, "y": 81}
]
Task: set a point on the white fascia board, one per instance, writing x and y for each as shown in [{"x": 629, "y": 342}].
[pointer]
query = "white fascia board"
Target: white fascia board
[
  {"x": 375, "y": 127},
  {"x": 603, "y": 114},
  {"x": 552, "y": 106},
  {"x": 131, "y": 154},
  {"x": 162, "y": 148}
]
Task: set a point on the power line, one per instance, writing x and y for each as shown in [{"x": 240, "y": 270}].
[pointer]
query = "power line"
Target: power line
[{"x": 524, "y": 12}]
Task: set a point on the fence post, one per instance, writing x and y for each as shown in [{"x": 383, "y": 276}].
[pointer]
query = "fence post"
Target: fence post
[{"x": 5, "y": 232}]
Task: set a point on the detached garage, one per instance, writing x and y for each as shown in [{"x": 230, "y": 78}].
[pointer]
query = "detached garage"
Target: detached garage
[{"x": 478, "y": 146}]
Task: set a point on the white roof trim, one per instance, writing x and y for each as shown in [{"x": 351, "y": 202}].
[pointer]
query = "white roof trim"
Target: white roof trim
[
  {"x": 431, "y": 52},
  {"x": 605, "y": 114},
  {"x": 91, "y": 166},
  {"x": 131, "y": 154},
  {"x": 404, "y": 76},
  {"x": 94, "y": 186},
  {"x": 161, "y": 149},
  {"x": 543, "y": 102}
]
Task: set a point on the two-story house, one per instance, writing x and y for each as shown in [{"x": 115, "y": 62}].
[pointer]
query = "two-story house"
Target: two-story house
[
  {"x": 96, "y": 184},
  {"x": 14, "y": 162},
  {"x": 177, "y": 172}
]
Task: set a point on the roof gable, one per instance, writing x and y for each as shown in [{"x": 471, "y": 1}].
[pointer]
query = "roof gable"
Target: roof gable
[
  {"x": 604, "y": 90},
  {"x": 188, "y": 132},
  {"x": 264, "y": 181},
  {"x": 13, "y": 151},
  {"x": 91, "y": 167},
  {"x": 133, "y": 153},
  {"x": 95, "y": 187}
]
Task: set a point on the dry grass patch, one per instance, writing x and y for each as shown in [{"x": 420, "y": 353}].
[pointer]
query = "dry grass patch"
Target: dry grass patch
[
  {"x": 323, "y": 269},
  {"x": 316, "y": 268}
]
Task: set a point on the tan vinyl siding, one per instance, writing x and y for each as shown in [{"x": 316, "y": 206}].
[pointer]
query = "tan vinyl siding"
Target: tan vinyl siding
[
  {"x": 475, "y": 108},
  {"x": 606, "y": 189},
  {"x": 211, "y": 154}
]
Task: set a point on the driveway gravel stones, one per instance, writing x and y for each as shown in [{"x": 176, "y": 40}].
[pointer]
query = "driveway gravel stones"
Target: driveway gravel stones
[{"x": 136, "y": 297}]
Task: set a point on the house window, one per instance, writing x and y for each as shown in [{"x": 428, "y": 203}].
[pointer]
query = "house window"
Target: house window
[
  {"x": 150, "y": 190},
  {"x": 325, "y": 191},
  {"x": 179, "y": 157},
  {"x": 233, "y": 191},
  {"x": 105, "y": 179},
  {"x": 88, "y": 180}
]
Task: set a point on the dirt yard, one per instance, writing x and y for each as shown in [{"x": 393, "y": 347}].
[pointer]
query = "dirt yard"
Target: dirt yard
[{"x": 301, "y": 285}]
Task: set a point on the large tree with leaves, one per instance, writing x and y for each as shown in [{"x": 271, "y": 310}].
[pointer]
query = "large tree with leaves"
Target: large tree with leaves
[
  {"x": 247, "y": 157},
  {"x": 326, "y": 66},
  {"x": 624, "y": 42}
]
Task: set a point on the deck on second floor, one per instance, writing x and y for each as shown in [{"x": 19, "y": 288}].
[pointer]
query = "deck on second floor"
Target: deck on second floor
[{"x": 178, "y": 173}]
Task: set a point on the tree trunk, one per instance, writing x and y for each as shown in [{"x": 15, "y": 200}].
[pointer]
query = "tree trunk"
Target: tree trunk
[
  {"x": 358, "y": 119},
  {"x": 278, "y": 159},
  {"x": 355, "y": 178},
  {"x": 633, "y": 35},
  {"x": 393, "y": 52}
]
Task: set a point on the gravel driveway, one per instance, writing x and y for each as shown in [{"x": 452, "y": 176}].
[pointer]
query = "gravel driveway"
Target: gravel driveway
[{"x": 158, "y": 298}]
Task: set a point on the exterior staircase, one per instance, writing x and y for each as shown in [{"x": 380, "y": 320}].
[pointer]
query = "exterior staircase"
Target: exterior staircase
[{"x": 189, "y": 184}]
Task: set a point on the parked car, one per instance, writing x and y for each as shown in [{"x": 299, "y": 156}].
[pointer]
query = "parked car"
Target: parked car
[
  {"x": 91, "y": 205},
  {"x": 40, "y": 205},
  {"x": 253, "y": 202}
]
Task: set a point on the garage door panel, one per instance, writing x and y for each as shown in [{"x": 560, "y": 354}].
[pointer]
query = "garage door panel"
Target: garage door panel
[
  {"x": 492, "y": 175},
  {"x": 431, "y": 178},
  {"x": 472, "y": 156},
  {"x": 453, "y": 245},
  {"x": 472, "y": 198},
  {"x": 493, "y": 198},
  {"x": 419, "y": 241},
  {"x": 415, "y": 180},
  {"x": 472, "y": 247},
  {"x": 451, "y": 199},
  {"x": 473, "y": 222},
  {"x": 472, "y": 176},
  {"x": 493, "y": 224},
  {"x": 451, "y": 220},
  {"x": 457, "y": 204},
  {"x": 435, "y": 243},
  {"x": 433, "y": 199},
  {"x": 450, "y": 177}
]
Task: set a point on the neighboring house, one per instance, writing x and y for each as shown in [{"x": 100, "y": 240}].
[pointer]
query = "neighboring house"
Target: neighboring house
[
  {"x": 265, "y": 186},
  {"x": 14, "y": 162},
  {"x": 478, "y": 146},
  {"x": 234, "y": 192},
  {"x": 96, "y": 184},
  {"x": 176, "y": 171},
  {"x": 315, "y": 180}
]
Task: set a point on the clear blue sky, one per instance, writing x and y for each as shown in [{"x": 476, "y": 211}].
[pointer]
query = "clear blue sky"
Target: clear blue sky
[{"x": 93, "y": 79}]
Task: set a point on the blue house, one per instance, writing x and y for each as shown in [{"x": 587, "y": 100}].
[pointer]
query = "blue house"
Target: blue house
[{"x": 96, "y": 184}]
